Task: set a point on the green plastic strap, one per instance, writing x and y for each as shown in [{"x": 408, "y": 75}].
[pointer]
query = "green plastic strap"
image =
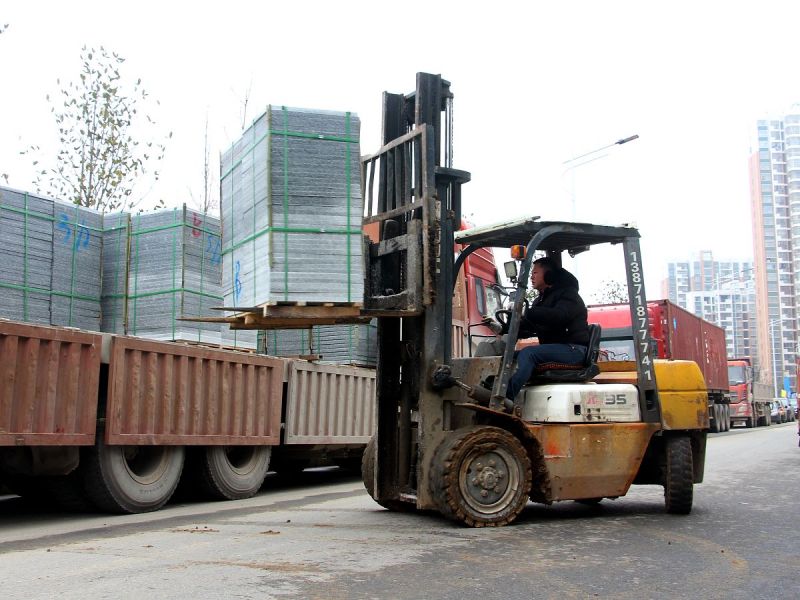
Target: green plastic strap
[
  {"x": 136, "y": 276},
  {"x": 253, "y": 163},
  {"x": 285, "y": 202},
  {"x": 25, "y": 260},
  {"x": 284, "y": 132},
  {"x": 74, "y": 257},
  {"x": 347, "y": 176},
  {"x": 35, "y": 290},
  {"x": 38, "y": 215},
  {"x": 177, "y": 225},
  {"x": 174, "y": 266},
  {"x": 232, "y": 269},
  {"x": 117, "y": 268},
  {"x": 202, "y": 274},
  {"x": 176, "y": 290},
  {"x": 290, "y": 230}
]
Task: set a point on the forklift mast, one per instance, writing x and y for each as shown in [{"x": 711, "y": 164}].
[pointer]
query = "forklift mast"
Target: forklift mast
[{"x": 416, "y": 202}]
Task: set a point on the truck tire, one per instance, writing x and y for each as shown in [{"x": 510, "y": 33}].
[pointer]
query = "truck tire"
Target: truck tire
[
  {"x": 678, "y": 475},
  {"x": 130, "y": 479},
  {"x": 233, "y": 472},
  {"x": 715, "y": 420},
  {"x": 750, "y": 422},
  {"x": 368, "y": 477},
  {"x": 726, "y": 418},
  {"x": 481, "y": 476}
]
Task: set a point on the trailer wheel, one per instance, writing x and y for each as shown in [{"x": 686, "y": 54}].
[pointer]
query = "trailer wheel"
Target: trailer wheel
[
  {"x": 481, "y": 476},
  {"x": 368, "y": 477},
  {"x": 715, "y": 421},
  {"x": 751, "y": 422},
  {"x": 130, "y": 479},
  {"x": 233, "y": 472},
  {"x": 678, "y": 476}
]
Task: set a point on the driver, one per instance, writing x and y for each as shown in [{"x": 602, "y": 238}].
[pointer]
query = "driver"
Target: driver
[{"x": 557, "y": 317}]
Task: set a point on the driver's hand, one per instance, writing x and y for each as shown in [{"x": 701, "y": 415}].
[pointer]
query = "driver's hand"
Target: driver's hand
[{"x": 496, "y": 328}]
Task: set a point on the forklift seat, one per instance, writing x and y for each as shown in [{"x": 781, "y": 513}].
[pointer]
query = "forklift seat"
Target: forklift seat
[{"x": 561, "y": 372}]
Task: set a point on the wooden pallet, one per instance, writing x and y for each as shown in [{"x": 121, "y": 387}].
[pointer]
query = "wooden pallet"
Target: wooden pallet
[
  {"x": 217, "y": 346},
  {"x": 289, "y": 315}
]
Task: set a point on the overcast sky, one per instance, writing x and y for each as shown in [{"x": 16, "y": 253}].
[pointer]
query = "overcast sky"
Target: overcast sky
[{"x": 534, "y": 86}]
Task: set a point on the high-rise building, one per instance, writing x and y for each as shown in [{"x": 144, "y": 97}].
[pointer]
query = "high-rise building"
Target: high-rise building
[
  {"x": 775, "y": 204},
  {"x": 721, "y": 292}
]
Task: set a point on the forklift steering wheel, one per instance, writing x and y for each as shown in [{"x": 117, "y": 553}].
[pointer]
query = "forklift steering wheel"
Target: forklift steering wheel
[{"x": 504, "y": 318}]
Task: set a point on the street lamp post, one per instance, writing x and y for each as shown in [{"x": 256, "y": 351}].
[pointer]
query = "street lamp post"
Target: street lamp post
[{"x": 585, "y": 158}]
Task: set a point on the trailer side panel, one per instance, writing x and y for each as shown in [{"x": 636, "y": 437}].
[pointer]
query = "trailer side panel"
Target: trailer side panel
[
  {"x": 329, "y": 404},
  {"x": 164, "y": 393},
  {"x": 48, "y": 385}
]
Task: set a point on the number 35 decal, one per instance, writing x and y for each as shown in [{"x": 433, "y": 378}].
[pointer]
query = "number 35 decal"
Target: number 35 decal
[{"x": 616, "y": 399}]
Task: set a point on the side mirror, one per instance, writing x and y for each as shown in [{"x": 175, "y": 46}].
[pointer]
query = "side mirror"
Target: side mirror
[
  {"x": 499, "y": 289},
  {"x": 511, "y": 269}
]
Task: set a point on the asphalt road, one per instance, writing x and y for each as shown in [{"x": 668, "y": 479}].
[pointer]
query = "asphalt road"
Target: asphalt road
[{"x": 323, "y": 537}]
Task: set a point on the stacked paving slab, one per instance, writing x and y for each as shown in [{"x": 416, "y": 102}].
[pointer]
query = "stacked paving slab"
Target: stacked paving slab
[
  {"x": 341, "y": 344},
  {"x": 158, "y": 268},
  {"x": 291, "y": 211},
  {"x": 50, "y": 261}
]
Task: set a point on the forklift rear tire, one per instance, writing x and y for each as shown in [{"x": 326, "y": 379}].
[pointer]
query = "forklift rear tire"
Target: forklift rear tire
[
  {"x": 481, "y": 476},
  {"x": 368, "y": 477},
  {"x": 678, "y": 476}
]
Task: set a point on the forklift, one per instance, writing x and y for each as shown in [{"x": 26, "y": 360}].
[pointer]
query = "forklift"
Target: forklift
[{"x": 447, "y": 438}]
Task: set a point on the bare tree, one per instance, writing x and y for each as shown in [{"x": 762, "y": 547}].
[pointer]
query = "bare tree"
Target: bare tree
[
  {"x": 209, "y": 201},
  {"x": 100, "y": 160},
  {"x": 611, "y": 292},
  {"x": 245, "y": 102}
]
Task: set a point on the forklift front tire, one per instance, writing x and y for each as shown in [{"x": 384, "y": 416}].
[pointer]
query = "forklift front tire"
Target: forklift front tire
[
  {"x": 481, "y": 476},
  {"x": 368, "y": 477}
]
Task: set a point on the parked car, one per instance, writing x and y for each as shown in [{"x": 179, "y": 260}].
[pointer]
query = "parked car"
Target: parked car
[{"x": 778, "y": 414}]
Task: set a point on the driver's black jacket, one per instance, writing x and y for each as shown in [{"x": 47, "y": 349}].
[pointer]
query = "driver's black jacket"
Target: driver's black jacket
[{"x": 558, "y": 315}]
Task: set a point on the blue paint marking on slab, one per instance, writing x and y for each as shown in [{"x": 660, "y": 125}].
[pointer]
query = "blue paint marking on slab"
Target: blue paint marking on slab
[
  {"x": 82, "y": 233},
  {"x": 214, "y": 249},
  {"x": 237, "y": 283}
]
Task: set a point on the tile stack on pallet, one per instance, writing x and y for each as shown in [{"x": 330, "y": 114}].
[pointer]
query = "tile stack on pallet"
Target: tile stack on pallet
[
  {"x": 116, "y": 254},
  {"x": 160, "y": 267},
  {"x": 291, "y": 211},
  {"x": 351, "y": 344},
  {"x": 341, "y": 344},
  {"x": 50, "y": 261}
]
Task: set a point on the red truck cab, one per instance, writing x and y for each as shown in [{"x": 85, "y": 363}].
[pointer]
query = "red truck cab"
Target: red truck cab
[
  {"x": 675, "y": 334},
  {"x": 476, "y": 296}
]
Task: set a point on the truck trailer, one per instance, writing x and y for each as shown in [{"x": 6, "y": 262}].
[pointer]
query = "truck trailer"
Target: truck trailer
[{"x": 95, "y": 420}]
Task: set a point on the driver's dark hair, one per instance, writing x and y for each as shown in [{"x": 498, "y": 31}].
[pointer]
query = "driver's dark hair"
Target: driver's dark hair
[{"x": 547, "y": 263}]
